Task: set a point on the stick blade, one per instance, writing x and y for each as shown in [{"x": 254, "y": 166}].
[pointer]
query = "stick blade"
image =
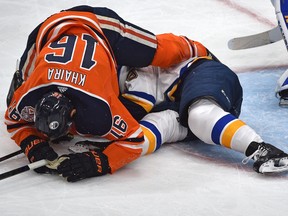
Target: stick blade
[{"x": 255, "y": 40}]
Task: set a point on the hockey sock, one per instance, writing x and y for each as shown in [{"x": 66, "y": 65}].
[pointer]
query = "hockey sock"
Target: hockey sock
[{"x": 213, "y": 125}]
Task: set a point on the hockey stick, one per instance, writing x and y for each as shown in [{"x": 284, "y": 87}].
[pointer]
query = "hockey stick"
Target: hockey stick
[
  {"x": 256, "y": 40},
  {"x": 22, "y": 169},
  {"x": 10, "y": 155}
]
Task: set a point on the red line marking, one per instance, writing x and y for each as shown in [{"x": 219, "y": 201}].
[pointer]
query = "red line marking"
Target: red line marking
[
  {"x": 260, "y": 19},
  {"x": 248, "y": 12}
]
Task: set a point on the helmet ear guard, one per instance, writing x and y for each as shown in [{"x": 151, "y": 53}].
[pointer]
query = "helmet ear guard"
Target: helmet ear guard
[{"x": 53, "y": 115}]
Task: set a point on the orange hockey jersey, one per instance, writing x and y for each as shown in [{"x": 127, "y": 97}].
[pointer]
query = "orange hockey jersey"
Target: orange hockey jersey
[{"x": 76, "y": 52}]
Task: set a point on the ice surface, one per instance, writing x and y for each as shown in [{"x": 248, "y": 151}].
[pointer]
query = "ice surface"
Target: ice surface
[{"x": 181, "y": 178}]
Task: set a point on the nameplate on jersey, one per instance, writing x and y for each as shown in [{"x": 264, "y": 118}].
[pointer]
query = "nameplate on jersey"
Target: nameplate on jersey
[{"x": 67, "y": 76}]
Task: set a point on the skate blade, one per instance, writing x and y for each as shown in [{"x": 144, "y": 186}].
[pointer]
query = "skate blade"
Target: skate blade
[
  {"x": 269, "y": 166},
  {"x": 283, "y": 103}
]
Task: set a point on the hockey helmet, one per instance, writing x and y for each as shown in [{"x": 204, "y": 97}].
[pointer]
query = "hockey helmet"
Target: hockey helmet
[{"x": 53, "y": 115}]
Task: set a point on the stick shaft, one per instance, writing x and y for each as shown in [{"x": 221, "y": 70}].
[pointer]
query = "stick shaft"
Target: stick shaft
[
  {"x": 22, "y": 169},
  {"x": 10, "y": 155}
]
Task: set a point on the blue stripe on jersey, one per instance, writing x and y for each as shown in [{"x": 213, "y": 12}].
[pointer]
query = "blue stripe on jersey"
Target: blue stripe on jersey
[
  {"x": 219, "y": 126},
  {"x": 184, "y": 69},
  {"x": 144, "y": 95},
  {"x": 168, "y": 93},
  {"x": 284, "y": 8},
  {"x": 155, "y": 131}
]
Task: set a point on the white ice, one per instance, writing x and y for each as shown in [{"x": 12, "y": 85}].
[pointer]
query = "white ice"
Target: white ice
[{"x": 181, "y": 178}]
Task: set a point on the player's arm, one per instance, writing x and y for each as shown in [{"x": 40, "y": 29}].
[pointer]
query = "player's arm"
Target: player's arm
[
  {"x": 33, "y": 143},
  {"x": 135, "y": 109},
  {"x": 154, "y": 130},
  {"x": 172, "y": 49},
  {"x": 21, "y": 127},
  {"x": 25, "y": 66},
  {"x": 96, "y": 162},
  {"x": 138, "y": 88}
]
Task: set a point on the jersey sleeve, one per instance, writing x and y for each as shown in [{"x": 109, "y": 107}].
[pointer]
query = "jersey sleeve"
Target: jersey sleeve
[
  {"x": 151, "y": 86},
  {"x": 139, "y": 85},
  {"x": 174, "y": 49},
  {"x": 18, "y": 128}
]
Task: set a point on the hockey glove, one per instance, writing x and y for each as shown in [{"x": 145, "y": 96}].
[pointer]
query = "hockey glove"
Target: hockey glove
[
  {"x": 37, "y": 149},
  {"x": 79, "y": 166}
]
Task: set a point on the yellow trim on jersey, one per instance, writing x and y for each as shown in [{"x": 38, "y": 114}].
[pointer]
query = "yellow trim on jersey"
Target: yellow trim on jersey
[
  {"x": 170, "y": 93},
  {"x": 143, "y": 103},
  {"x": 229, "y": 132},
  {"x": 151, "y": 138}
]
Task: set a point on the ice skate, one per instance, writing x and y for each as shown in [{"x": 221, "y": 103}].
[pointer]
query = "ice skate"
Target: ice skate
[
  {"x": 281, "y": 90},
  {"x": 283, "y": 100},
  {"x": 268, "y": 159}
]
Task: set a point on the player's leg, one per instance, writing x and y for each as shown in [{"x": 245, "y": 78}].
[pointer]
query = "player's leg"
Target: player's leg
[
  {"x": 210, "y": 104},
  {"x": 281, "y": 11},
  {"x": 282, "y": 89},
  {"x": 159, "y": 128}
]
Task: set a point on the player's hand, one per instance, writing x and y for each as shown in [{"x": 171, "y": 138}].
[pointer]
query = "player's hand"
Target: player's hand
[
  {"x": 75, "y": 167},
  {"x": 37, "y": 149}
]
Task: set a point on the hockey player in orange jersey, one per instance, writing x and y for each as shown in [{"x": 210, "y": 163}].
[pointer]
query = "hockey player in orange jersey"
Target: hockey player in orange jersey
[{"x": 67, "y": 82}]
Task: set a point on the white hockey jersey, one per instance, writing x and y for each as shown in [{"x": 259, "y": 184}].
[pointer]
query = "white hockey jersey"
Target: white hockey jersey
[{"x": 149, "y": 86}]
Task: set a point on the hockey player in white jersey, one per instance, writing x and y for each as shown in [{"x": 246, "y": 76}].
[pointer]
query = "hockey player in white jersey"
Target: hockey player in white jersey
[{"x": 208, "y": 97}]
